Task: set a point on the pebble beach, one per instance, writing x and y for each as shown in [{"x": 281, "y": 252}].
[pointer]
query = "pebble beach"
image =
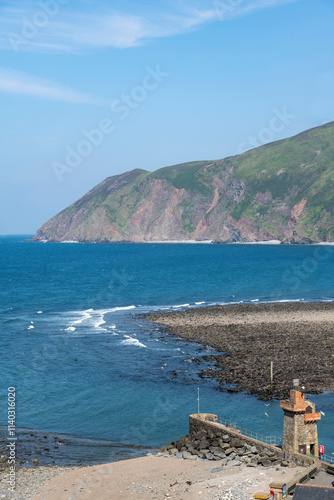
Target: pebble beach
[{"x": 148, "y": 478}]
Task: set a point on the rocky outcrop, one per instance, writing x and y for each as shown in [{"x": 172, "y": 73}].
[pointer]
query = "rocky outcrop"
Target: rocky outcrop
[
  {"x": 231, "y": 451},
  {"x": 246, "y": 335},
  {"x": 281, "y": 191}
]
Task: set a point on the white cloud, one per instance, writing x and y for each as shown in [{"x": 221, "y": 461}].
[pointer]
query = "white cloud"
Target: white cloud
[
  {"x": 17, "y": 82},
  {"x": 76, "y": 32},
  {"x": 228, "y": 9}
]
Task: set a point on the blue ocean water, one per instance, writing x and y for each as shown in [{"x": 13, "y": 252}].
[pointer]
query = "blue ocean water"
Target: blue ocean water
[{"x": 83, "y": 363}]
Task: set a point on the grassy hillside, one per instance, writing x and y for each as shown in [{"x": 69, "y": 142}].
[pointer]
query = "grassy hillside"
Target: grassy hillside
[
  {"x": 296, "y": 168},
  {"x": 282, "y": 190}
]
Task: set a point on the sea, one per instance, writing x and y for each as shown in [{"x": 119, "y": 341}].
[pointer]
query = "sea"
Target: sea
[{"x": 94, "y": 380}]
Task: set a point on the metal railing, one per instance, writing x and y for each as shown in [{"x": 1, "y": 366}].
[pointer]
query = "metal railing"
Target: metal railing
[
  {"x": 326, "y": 458},
  {"x": 254, "y": 435},
  {"x": 265, "y": 439}
]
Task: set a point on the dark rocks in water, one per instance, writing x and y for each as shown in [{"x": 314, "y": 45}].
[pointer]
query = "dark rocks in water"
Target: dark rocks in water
[
  {"x": 39, "y": 449},
  {"x": 297, "y": 337}
]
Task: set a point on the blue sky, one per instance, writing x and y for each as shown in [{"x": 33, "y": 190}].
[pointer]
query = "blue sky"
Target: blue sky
[{"x": 92, "y": 88}]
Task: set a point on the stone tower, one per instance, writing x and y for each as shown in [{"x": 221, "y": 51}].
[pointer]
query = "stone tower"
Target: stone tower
[{"x": 300, "y": 433}]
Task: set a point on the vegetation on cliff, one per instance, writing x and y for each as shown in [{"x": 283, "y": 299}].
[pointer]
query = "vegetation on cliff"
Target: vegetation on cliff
[{"x": 279, "y": 191}]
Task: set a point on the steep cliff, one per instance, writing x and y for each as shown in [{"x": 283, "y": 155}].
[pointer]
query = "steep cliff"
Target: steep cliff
[{"x": 279, "y": 191}]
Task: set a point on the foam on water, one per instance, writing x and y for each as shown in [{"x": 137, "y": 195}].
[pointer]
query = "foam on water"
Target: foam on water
[
  {"x": 91, "y": 321},
  {"x": 283, "y": 301},
  {"x": 265, "y": 242},
  {"x": 99, "y": 322},
  {"x": 132, "y": 341},
  {"x": 84, "y": 316},
  {"x": 126, "y": 308},
  {"x": 89, "y": 318}
]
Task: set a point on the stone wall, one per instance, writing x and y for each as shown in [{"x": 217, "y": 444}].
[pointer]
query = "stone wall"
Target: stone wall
[
  {"x": 210, "y": 423},
  {"x": 225, "y": 448},
  {"x": 290, "y": 442},
  {"x": 296, "y": 433}
]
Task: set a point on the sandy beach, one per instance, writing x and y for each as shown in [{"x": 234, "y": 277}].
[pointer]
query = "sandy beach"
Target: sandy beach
[
  {"x": 148, "y": 478},
  {"x": 297, "y": 337}
]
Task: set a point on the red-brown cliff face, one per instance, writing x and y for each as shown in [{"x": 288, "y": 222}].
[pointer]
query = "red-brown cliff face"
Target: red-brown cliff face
[{"x": 281, "y": 191}]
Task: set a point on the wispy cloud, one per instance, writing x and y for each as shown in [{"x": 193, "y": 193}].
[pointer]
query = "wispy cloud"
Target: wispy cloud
[
  {"x": 17, "y": 82},
  {"x": 99, "y": 27},
  {"x": 229, "y": 9}
]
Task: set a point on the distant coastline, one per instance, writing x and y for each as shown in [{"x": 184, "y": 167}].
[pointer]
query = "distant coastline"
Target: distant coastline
[{"x": 182, "y": 242}]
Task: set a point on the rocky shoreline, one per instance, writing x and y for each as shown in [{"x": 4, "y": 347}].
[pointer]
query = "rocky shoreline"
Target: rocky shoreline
[
  {"x": 40, "y": 456},
  {"x": 297, "y": 337}
]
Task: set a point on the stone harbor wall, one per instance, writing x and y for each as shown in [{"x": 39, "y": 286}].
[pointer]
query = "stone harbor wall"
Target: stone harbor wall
[
  {"x": 208, "y": 440},
  {"x": 203, "y": 445},
  {"x": 210, "y": 423}
]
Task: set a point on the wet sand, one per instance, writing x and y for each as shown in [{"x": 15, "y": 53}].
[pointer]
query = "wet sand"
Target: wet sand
[{"x": 297, "y": 337}]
